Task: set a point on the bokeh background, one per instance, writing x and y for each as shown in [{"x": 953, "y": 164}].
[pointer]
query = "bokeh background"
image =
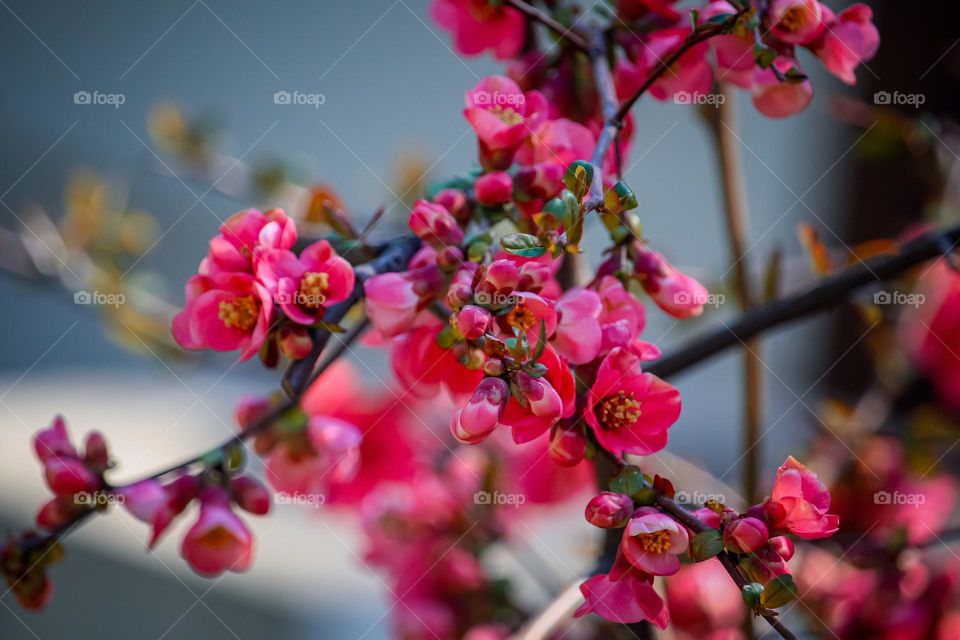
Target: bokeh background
[{"x": 392, "y": 97}]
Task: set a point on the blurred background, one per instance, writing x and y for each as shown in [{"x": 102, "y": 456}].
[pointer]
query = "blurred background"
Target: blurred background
[{"x": 387, "y": 112}]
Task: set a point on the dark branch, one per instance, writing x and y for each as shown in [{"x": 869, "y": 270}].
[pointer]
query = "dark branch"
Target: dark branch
[{"x": 548, "y": 21}]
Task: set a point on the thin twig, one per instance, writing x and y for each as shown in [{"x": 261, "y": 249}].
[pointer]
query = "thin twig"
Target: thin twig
[{"x": 548, "y": 21}]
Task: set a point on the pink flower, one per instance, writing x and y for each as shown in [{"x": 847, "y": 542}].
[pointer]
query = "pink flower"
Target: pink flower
[
  {"x": 494, "y": 188},
  {"x": 395, "y": 299},
  {"x": 304, "y": 287},
  {"x": 795, "y": 21},
  {"x": 434, "y": 224},
  {"x": 745, "y": 535},
  {"x": 218, "y": 541},
  {"x": 931, "y": 333},
  {"x": 422, "y": 366},
  {"x": 652, "y": 542},
  {"x": 243, "y": 235},
  {"x": 250, "y": 495},
  {"x": 540, "y": 181},
  {"x": 558, "y": 141},
  {"x": 848, "y": 40},
  {"x": 526, "y": 315},
  {"x": 547, "y": 399},
  {"x": 473, "y": 321},
  {"x": 800, "y": 502},
  {"x": 628, "y": 410},
  {"x": 501, "y": 114},
  {"x": 609, "y": 510},
  {"x": 625, "y": 596},
  {"x": 476, "y": 421},
  {"x": 776, "y": 98},
  {"x": 478, "y": 25},
  {"x": 568, "y": 445},
  {"x": 622, "y": 320},
  {"x": 636, "y": 9},
  {"x": 224, "y": 312},
  {"x": 734, "y": 52},
  {"x": 578, "y": 337},
  {"x": 678, "y": 294},
  {"x": 144, "y": 499},
  {"x": 703, "y": 599},
  {"x": 66, "y": 472}
]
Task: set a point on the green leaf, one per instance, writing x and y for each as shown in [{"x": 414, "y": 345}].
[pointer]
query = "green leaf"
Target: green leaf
[
  {"x": 446, "y": 338},
  {"x": 720, "y": 18},
  {"x": 541, "y": 342},
  {"x": 779, "y": 592},
  {"x": 764, "y": 55},
  {"x": 751, "y": 594},
  {"x": 578, "y": 177},
  {"x": 522, "y": 244},
  {"x": 629, "y": 481},
  {"x": 706, "y": 544}
]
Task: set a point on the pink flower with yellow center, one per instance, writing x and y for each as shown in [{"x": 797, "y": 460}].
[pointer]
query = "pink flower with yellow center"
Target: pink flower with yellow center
[
  {"x": 218, "y": 541},
  {"x": 479, "y": 25},
  {"x": 501, "y": 114},
  {"x": 795, "y": 21},
  {"x": 243, "y": 235},
  {"x": 630, "y": 411},
  {"x": 652, "y": 542}
]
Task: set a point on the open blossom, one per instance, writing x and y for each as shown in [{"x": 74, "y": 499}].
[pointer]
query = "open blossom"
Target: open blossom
[
  {"x": 432, "y": 223},
  {"x": 394, "y": 300},
  {"x": 560, "y": 141},
  {"x": 703, "y": 600},
  {"x": 423, "y": 367},
  {"x": 629, "y": 410},
  {"x": 243, "y": 235},
  {"x": 479, "y": 25},
  {"x": 652, "y": 542},
  {"x": 218, "y": 541},
  {"x": 799, "y": 503},
  {"x": 625, "y": 595},
  {"x": 795, "y": 21},
  {"x": 328, "y": 451},
  {"x": 224, "y": 312},
  {"x": 579, "y": 336},
  {"x": 776, "y": 98},
  {"x": 849, "y": 39},
  {"x": 305, "y": 286},
  {"x": 476, "y": 421},
  {"x": 678, "y": 294},
  {"x": 501, "y": 115}
]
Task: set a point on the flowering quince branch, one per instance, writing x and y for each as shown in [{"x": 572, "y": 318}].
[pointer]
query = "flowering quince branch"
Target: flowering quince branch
[{"x": 472, "y": 306}]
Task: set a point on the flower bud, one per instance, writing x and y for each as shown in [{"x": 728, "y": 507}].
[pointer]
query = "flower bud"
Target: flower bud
[
  {"x": 454, "y": 201},
  {"x": 434, "y": 224},
  {"x": 250, "y": 409},
  {"x": 69, "y": 476},
  {"x": 542, "y": 399},
  {"x": 494, "y": 188},
  {"x": 783, "y": 547},
  {"x": 473, "y": 321},
  {"x": 568, "y": 445},
  {"x": 250, "y": 495},
  {"x": 95, "y": 451},
  {"x": 450, "y": 258},
  {"x": 544, "y": 180},
  {"x": 745, "y": 535},
  {"x": 476, "y": 421},
  {"x": 295, "y": 342},
  {"x": 609, "y": 510},
  {"x": 501, "y": 276},
  {"x": 676, "y": 293},
  {"x": 534, "y": 276}
]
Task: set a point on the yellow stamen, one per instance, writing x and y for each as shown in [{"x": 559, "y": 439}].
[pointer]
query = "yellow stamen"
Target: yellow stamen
[
  {"x": 793, "y": 18},
  {"x": 619, "y": 411},
  {"x": 240, "y": 313},
  {"x": 507, "y": 114},
  {"x": 656, "y": 542},
  {"x": 313, "y": 289},
  {"x": 521, "y": 317}
]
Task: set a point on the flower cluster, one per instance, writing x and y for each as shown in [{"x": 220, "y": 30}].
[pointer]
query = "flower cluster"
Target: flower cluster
[
  {"x": 654, "y": 542},
  {"x": 254, "y": 294}
]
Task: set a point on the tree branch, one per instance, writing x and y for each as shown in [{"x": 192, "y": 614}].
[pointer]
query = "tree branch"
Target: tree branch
[{"x": 548, "y": 21}]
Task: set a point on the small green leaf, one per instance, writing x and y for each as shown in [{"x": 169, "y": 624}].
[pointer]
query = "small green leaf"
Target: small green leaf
[
  {"x": 578, "y": 177},
  {"x": 720, "y": 18},
  {"x": 751, "y": 594},
  {"x": 706, "y": 544},
  {"x": 629, "y": 481},
  {"x": 764, "y": 55},
  {"x": 446, "y": 338},
  {"x": 522, "y": 244},
  {"x": 779, "y": 592},
  {"x": 541, "y": 342}
]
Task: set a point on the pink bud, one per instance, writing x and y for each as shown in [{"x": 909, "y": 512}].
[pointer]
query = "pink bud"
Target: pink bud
[
  {"x": 55, "y": 513},
  {"x": 544, "y": 180},
  {"x": 501, "y": 276},
  {"x": 450, "y": 258},
  {"x": 434, "y": 224},
  {"x": 534, "y": 276},
  {"x": 69, "y": 476},
  {"x": 454, "y": 201},
  {"x": 476, "y": 421},
  {"x": 795, "y": 21},
  {"x": 337, "y": 442},
  {"x": 250, "y": 409},
  {"x": 295, "y": 342},
  {"x": 542, "y": 399},
  {"x": 494, "y": 188},
  {"x": 676, "y": 293},
  {"x": 54, "y": 441},
  {"x": 745, "y": 535},
  {"x": 783, "y": 547},
  {"x": 473, "y": 321},
  {"x": 144, "y": 499},
  {"x": 568, "y": 445},
  {"x": 250, "y": 495},
  {"x": 218, "y": 541},
  {"x": 609, "y": 510}
]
